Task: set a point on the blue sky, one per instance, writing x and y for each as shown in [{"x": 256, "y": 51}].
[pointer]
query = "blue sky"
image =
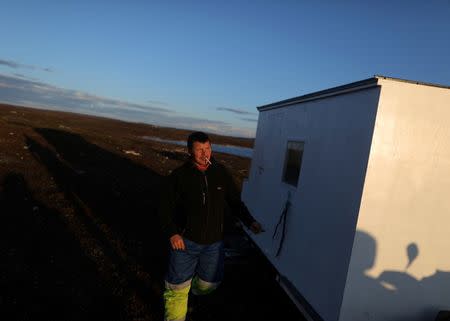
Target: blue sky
[{"x": 209, "y": 64}]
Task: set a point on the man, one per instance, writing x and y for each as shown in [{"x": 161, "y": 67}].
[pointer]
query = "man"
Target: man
[{"x": 192, "y": 215}]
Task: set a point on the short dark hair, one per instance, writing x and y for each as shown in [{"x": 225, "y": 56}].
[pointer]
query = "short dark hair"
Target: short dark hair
[{"x": 200, "y": 137}]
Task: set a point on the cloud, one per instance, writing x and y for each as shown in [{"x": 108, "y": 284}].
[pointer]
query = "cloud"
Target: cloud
[
  {"x": 9, "y": 63},
  {"x": 22, "y": 76},
  {"x": 157, "y": 102},
  {"x": 26, "y": 92},
  {"x": 47, "y": 95},
  {"x": 236, "y": 111},
  {"x": 17, "y": 65},
  {"x": 250, "y": 119}
]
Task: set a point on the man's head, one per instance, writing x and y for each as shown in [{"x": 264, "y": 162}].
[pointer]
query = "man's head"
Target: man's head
[{"x": 199, "y": 147}]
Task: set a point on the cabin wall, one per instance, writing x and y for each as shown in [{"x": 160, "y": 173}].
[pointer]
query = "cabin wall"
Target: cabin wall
[
  {"x": 321, "y": 222},
  {"x": 400, "y": 265}
]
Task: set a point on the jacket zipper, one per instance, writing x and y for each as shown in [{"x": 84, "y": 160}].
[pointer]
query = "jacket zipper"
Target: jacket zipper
[{"x": 205, "y": 192}]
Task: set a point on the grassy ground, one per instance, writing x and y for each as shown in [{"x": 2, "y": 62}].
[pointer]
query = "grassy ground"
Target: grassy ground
[{"x": 79, "y": 236}]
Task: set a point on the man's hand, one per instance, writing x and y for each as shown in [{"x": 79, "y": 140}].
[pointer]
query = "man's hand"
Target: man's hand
[
  {"x": 256, "y": 228},
  {"x": 177, "y": 243}
]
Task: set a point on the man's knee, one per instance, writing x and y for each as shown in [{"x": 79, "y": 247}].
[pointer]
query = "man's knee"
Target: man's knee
[{"x": 202, "y": 287}]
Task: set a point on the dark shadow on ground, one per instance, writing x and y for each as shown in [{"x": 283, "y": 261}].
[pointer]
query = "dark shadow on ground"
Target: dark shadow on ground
[
  {"x": 44, "y": 274},
  {"x": 116, "y": 191},
  {"x": 115, "y": 201}
]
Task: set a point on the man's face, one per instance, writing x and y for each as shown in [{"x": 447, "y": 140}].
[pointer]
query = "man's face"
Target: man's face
[{"x": 200, "y": 152}]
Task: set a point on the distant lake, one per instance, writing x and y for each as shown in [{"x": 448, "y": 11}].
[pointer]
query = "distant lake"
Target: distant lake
[{"x": 227, "y": 149}]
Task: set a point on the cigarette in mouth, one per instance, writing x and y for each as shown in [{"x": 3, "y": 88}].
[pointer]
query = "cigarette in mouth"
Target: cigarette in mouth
[{"x": 207, "y": 160}]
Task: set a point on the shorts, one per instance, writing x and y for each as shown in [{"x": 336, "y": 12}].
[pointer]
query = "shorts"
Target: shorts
[{"x": 206, "y": 261}]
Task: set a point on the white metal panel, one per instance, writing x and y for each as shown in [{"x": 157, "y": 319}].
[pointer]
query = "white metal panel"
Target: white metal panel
[
  {"x": 337, "y": 133},
  {"x": 400, "y": 266}
]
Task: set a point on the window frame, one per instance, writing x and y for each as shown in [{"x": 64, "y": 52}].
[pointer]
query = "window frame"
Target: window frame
[{"x": 286, "y": 158}]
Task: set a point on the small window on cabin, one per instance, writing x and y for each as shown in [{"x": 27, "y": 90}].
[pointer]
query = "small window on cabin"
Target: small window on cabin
[{"x": 293, "y": 162}]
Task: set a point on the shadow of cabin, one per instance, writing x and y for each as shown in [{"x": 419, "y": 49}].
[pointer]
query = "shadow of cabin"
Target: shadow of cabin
[
  {"x": 45, "y": 273},
  {"x": 116, "y": 200}
]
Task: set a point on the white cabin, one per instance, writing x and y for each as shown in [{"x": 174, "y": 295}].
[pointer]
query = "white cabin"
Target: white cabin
[{"x": 366, "y": 170}]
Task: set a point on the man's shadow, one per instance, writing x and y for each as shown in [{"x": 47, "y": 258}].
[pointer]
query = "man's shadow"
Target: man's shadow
[
  {"x": 364, "y": 289},
  {"x": 393, "y": 295},
  {"x": 424, "y": 299}
]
